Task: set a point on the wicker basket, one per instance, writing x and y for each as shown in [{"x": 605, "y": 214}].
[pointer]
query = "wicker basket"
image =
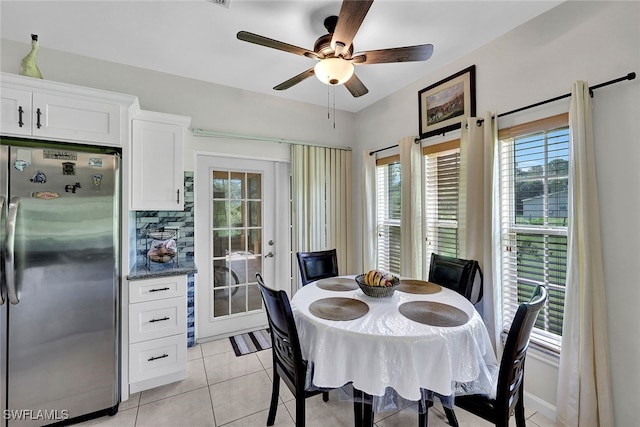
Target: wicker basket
[
  {"x": 161, "y": 236},
  {"x": 166, "y": 257},
  {"x": 376, "y": 291}
]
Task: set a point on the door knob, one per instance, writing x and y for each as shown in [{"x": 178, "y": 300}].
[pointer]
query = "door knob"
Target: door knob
[{"x": 269, "y": 255}]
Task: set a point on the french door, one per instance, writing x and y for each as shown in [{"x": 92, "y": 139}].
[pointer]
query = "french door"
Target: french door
[{"x": 235, "y": 233}]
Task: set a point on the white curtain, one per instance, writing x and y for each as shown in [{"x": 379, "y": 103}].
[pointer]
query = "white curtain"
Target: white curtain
[
  {"x": 584, "y": 384},
  {"x": 411, "y": 208},
  {"x": 369, "y": 220},
  {"x": 321, "y": 197},
  {"x": 478, "y": 198}
]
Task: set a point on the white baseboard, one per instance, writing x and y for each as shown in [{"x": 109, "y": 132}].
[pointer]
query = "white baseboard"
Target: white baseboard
[
  {"x": 157, "y": 382},
  {"x": 536, "y": 404}
]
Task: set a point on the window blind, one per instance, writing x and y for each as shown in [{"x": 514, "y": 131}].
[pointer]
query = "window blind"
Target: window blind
[
  {"x": 534, "y": 176},
  {"x": 388, "y": 216},
  {"x": 442, "y": 176}
]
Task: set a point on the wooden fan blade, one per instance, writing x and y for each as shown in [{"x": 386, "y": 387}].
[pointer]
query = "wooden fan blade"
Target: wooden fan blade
[
  {"x": 352, "y": 13},
  {"x": 356, "y": 87},
  {"x": 274, "y": 44},
  {"x": 397, "y": 54},
  {"x": 295, "y": 80}
]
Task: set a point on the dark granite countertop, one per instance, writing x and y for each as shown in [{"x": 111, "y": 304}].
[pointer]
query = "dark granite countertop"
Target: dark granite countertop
[{"x": 140, "y": 270}]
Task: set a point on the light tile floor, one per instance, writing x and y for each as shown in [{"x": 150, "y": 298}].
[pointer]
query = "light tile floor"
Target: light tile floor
[{"x": 224, "y": 390}]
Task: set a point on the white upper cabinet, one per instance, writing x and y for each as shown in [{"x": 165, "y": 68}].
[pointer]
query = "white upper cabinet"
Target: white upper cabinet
[
  {"x": 157, "y": 171},
  {"x": 42, "y": 109},
  {"x": 15, "y": 111}
]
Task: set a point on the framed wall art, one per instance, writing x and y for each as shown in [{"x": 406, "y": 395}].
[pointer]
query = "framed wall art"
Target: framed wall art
[{"x": 444, "y": 105}]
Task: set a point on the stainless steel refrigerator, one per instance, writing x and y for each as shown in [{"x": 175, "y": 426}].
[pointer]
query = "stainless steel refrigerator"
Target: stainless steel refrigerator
[{"x": 59, "y": 312}]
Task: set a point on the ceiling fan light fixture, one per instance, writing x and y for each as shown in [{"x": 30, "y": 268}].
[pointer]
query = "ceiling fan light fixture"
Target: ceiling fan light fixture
[{"x": 333, "y": 71}]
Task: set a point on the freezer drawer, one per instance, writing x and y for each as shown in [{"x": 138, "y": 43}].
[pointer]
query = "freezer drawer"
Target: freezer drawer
[
  {"x": 157, "y": 319},
  {"x": 157, "y": 358}
]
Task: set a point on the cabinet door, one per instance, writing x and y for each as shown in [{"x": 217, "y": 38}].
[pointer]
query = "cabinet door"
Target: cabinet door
[
  {"x": 15, "y": 112},
  {"x": 157, "y": 169},
  {"x": 67, "y": 117}
]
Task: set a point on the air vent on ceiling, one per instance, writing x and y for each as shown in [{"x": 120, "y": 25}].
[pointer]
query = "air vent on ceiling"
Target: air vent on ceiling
[{"x": 223, "y": 3}]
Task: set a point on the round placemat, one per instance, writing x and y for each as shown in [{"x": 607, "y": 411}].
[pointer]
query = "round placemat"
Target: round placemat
[
  {"x": 338, "y": 308},
  {"x": 337, "y": 284},
  {"x": 433, "y": 313},
  {"x": 418, "y": 287}
]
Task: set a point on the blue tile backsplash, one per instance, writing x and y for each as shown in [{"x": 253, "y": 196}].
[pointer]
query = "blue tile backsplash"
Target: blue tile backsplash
[{"x": 184, "y": 243}]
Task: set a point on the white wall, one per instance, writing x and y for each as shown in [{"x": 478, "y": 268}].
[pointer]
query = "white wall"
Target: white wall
[{"x": 592, "y": 41}]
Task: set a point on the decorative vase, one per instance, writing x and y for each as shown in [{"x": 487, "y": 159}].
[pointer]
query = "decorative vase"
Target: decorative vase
[{"x": 28, "y": 66}]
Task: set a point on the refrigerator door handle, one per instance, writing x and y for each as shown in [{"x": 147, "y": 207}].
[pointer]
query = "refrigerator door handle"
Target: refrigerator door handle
[
  {"x": 9, "y": 255},
  {"x": 2, "y": 200}
]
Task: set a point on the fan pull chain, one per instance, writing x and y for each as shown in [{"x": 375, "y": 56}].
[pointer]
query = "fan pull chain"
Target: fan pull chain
[
  {"x": 334, "y": 106},
  {"x": 328, "y": 108},
  {"x": 331, "y": 91}
]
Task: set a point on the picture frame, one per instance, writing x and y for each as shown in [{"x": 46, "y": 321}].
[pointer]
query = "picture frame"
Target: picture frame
[{"x": 444, "y": 105}]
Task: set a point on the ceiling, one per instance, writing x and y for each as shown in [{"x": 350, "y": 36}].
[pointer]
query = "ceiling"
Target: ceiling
[{"x": 197, "y": 39}]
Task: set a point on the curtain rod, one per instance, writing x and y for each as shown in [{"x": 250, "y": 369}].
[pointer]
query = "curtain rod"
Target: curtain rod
[
  {"x": 629, "y": 76},
  {"x": 218, "y": 134}
]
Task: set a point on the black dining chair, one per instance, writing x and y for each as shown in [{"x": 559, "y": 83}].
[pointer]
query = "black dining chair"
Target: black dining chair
[
  {"x": 317, "y": 265},
  {"x": 456, "y": 274},
  {"x": 288, "y": 364},
  {"x": 509, "y": 397}
]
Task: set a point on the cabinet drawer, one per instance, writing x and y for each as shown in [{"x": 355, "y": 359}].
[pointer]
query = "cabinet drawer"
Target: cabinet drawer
[
  {"x": 157, "y": 319},
  {"x": 155, "y": 358},
  {"x": 158, "y": 288}
]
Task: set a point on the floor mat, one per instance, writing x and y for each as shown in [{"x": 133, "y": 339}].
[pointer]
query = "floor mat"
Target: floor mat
[{"x": 251, "y": 342}]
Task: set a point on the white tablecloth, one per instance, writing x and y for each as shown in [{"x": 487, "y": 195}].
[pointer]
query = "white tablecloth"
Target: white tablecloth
[{"x": 385, "y": 350}]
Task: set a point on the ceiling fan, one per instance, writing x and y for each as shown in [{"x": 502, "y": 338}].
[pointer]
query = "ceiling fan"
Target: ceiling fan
[{"x": 334, "y": 51}]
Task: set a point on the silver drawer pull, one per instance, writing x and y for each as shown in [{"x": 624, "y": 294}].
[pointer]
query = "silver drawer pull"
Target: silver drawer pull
[
  {"x": 158, "y": 290},
  {"x": 156, "y": 358},
  {"x": 158, "y": 320}
]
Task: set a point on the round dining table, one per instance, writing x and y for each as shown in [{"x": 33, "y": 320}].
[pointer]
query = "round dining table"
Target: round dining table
[{"x": 422, "y": 337}]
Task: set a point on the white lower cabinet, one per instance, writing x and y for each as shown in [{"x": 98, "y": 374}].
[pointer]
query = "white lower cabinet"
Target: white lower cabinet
[{"x": 157, "y": 332}]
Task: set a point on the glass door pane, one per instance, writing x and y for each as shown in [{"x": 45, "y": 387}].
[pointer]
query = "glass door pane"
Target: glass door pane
[{"x": 237, "y": 241}]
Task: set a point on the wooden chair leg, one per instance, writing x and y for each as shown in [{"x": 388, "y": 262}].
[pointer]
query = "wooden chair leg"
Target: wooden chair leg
[
  {"x": 357, "y": 408},
  {"x": 423, "y": 412},
  {"x": 325, "y": 396},
  {"x": 357, "y": 414},
  {"x": 423, "y": 417},
  {"x": 275, "y": 392},
  {"x": 300, "y": 410},
  {"x": 451, "y": 416},
  {"x": 367, "y": 412},
  {"x": 519, "y": 409},
  {"x": 362, "y": 411}
]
